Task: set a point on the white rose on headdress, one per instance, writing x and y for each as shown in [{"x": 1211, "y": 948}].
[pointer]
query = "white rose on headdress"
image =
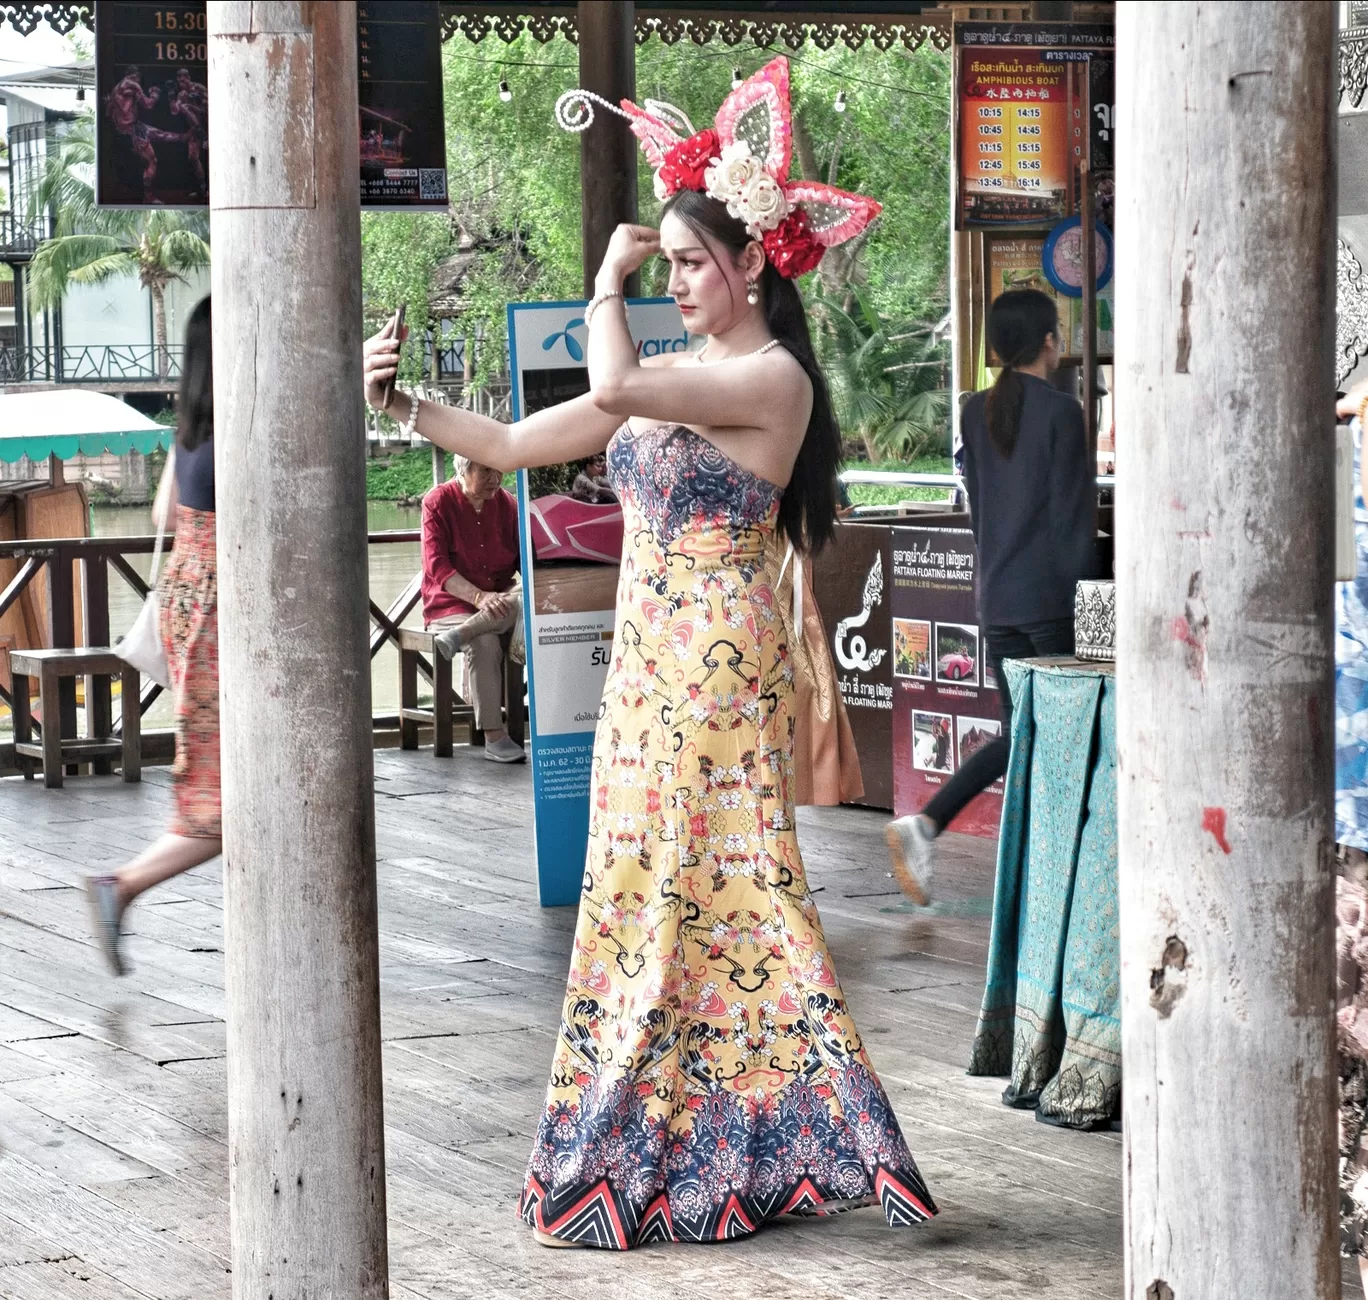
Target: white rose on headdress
[
  {"x": 728, "y": 177},
  {"x": 662, "y": 191},
  {"x": 762, "y": 205}
]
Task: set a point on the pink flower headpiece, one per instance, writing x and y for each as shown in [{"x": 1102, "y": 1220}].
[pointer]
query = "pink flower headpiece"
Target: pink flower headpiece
[{"x": 742, "y": 160}]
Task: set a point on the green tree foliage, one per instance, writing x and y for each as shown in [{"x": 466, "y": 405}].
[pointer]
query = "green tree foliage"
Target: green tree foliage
[
  {"x": 91, "y": 245},
  {"x": 888, "y": 378}
]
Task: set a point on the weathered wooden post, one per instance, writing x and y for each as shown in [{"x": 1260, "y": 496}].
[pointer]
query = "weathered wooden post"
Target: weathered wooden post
[
  {"x": 305, "y": 1117},
  {"x": 1225, "y": 329},
  {"x": 608, "y": 150}
]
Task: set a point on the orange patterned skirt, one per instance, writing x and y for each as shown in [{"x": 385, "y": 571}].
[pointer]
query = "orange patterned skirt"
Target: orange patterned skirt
[{"x": 189, "y": 627}]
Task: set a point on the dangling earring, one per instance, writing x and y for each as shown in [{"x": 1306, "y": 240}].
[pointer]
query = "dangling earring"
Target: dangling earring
[{"x": 752, "y": 292}]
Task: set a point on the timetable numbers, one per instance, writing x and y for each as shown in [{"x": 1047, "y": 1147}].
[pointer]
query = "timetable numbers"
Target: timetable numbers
[
  {"x": 1028, "y": 148},
  {"x": 990, "y": 164},
  {"x": 182, "y": 52},
  {"x": 1028, "y": 182},
  {"x": 1028, "y": 112},
  {"x": 990, "y": 113},
  {"x": 1026, "y": 165},
  {"x": 990, "y": 130},
  {"x": 1028, "y": 130},
  {"x": 991, "y": 182},
  {"x": 989, "y": 146},
  {"x": 174, "y": 20}
]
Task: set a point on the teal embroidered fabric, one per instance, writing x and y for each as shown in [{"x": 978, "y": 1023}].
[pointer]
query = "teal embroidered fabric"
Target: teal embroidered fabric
[{"x": 1050, "y": 1019}]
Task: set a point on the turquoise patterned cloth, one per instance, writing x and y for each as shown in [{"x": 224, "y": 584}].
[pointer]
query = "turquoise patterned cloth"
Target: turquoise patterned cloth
[{"x": 1051, "y": 1016}]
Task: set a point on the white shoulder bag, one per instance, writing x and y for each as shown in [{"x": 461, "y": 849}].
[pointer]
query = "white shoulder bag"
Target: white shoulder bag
[{"x": 142, "y": 645}]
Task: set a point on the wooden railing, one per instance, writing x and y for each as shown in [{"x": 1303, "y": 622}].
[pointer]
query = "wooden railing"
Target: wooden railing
[{"x": 101, "y": 556}]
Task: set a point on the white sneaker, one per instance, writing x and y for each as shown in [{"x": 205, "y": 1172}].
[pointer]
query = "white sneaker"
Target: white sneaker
[
  {"x": 912, "y": 853},
  {"x": 505, "y": 750}
]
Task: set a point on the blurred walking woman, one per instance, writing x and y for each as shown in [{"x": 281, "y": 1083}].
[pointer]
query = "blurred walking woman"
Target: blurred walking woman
[
  {"x": 1033, "y": 505},
  {"x": 188, "y": 601}
]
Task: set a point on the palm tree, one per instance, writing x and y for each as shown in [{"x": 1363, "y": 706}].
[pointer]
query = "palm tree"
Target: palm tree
[
  {"x": 888, "y": 379},
  {"x": 91, "y": 244}
]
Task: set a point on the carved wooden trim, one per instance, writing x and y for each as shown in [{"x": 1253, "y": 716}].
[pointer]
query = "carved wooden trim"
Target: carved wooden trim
[
  {"x": 507, "y": 22},
  {"x": 1353, "y": 64}
]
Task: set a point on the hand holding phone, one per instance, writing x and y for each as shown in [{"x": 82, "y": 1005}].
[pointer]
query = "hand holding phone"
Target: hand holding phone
[{"x": 396, "y": 331}]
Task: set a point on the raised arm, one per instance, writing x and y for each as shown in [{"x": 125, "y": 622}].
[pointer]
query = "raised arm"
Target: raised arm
[
  {"x": 570, "y": 431},
  {"x": 717, "y": 397}
]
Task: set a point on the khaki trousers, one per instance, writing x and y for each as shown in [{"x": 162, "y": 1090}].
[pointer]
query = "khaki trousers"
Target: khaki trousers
[{"x": 485, "y": 642}]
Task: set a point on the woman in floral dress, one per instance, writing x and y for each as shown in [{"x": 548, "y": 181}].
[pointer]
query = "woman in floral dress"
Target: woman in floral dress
[{"x": 708, "y": 1075}]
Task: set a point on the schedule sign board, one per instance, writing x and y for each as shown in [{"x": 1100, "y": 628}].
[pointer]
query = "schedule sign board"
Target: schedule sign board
[{"x": 1033, "y": 101}]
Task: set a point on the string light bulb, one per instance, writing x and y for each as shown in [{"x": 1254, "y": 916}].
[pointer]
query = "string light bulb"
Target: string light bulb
[
  {"x": 504, "y": 93},
  {"x": 840, "y": 104},
  {"x": 737, "y": 78}
]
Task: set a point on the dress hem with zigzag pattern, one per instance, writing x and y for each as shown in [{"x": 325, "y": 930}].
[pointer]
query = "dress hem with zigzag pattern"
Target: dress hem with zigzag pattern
[{"x": 638, "y": 1183}]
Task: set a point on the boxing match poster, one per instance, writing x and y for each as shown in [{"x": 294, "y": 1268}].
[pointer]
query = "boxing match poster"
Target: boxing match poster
[
  {"x": 152, "y": 116},
  {"x": 152, "y": 106}
]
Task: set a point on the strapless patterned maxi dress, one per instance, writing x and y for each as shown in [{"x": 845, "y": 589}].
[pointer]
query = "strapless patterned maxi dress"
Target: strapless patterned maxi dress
[{"x": 707, "y": 1075}]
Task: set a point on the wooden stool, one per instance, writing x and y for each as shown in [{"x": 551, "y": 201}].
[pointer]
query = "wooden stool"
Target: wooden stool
[
  {"x": 413, "y": 644},
  {"x": 448, "y": 708},
  {"x": 50, "y": 666}
]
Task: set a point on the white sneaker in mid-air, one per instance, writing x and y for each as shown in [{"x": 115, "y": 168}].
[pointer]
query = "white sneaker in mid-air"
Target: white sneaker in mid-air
[{"x": 912, "y": 853}]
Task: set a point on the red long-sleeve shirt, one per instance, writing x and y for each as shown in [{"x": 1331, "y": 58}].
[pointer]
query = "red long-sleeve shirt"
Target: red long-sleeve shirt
[{"x": 481, "y": 546}]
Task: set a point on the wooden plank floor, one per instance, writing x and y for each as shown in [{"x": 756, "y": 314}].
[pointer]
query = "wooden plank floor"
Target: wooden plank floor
[{"x": 113, "y": 1177}]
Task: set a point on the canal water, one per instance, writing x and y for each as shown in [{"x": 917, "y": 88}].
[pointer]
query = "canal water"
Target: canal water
[{"x": 391, "y": 568}]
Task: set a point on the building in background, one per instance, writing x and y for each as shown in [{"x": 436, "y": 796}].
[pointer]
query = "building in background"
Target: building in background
[{"x": 101, "y": 336}]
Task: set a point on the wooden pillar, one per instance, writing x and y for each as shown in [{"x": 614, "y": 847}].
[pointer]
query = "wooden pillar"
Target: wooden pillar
[
  {"x": 305, "y": 1116},
  {"x": 1225, "y": 332},
  {"x": 608, "y": 150}
]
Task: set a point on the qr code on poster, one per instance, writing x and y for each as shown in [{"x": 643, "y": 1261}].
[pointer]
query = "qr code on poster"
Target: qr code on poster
[{"x": 432, "y": 183}]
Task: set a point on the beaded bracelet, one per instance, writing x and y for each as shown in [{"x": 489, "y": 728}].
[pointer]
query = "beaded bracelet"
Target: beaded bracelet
[
  {"x": 410, "y": 425},
  {"x": 595, "y": 303}
]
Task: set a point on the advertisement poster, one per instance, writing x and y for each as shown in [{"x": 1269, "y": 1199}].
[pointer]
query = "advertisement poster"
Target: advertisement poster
[
  {"x": 945, "y": 701},
  {"x": 152, "y": 108},
  {"x": 1026, "y": 99},
  {"x": 403, "y": 131},
  {"x": 1014, "y": 262},
  {"x": 571, "y": 548},
  {"x": 850, "y": 582}
]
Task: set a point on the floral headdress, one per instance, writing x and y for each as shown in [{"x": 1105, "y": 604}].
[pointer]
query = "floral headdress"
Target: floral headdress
[{"x": 742, "y": 160}]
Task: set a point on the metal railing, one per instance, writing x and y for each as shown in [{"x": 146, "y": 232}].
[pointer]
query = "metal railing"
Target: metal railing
[
  {"x": 952, "y": 484},
  {"x": 21, "y": 235},
  {"x": 103, "y": 363}
]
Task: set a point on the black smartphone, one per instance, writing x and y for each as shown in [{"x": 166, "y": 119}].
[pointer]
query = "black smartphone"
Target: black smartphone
[{"x": 396, "y": 332}]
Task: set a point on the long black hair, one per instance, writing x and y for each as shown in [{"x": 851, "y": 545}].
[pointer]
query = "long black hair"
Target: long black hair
[
  {"x": 1019, "y": 322},
  {"x": 195, "y": 402},
  {"x": 807, "y": 511}
]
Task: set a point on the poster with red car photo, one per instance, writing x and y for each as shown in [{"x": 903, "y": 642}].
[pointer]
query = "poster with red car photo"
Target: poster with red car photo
[{"x": 945, "y": 703}]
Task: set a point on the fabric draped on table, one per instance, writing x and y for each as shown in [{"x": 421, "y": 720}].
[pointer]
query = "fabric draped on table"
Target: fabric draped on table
[
  {"x": 1051, "y": 1018},
  {"x": 708, "y": 1074},
  {"x": 1351, "y": 681}
]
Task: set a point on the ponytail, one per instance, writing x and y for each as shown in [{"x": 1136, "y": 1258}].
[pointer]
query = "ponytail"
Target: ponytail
[
  {"x": 1018, "y": 324},
  {"x": 1002, "y": 409}
]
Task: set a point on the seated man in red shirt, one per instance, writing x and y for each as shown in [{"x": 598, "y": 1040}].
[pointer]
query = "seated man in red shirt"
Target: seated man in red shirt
[{"x": 470, "y": 563}]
